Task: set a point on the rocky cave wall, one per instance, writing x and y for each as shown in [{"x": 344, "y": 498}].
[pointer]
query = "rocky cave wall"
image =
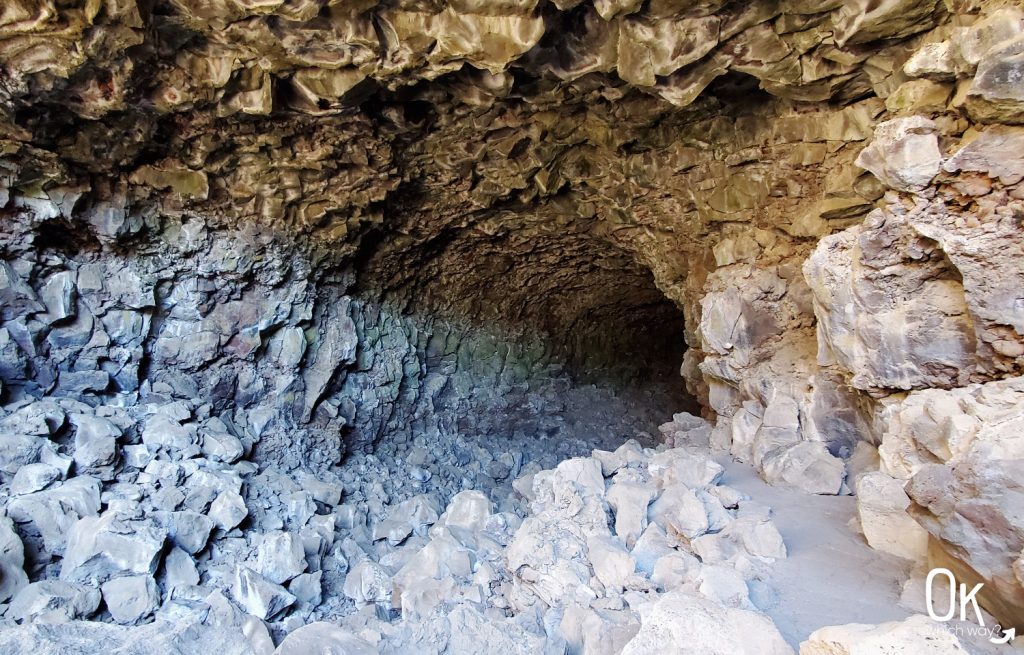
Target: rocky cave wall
[{"x": 317, "y": 216}]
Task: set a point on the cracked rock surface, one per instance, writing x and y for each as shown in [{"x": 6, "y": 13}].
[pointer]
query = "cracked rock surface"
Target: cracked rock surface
[{"x": 357, "y": 327}]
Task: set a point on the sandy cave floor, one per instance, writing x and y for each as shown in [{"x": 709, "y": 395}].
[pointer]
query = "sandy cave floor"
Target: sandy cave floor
[{"x": 831, "y": 576}]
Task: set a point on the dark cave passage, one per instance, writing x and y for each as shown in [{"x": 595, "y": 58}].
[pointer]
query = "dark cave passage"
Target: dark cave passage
[
  {"x": 537, "y": 276},
  {"x": 516, "y": 326}
]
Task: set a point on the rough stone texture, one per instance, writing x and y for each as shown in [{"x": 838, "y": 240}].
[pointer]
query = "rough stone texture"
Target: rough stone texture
[
  {"x": 957, "y": 451},
  {"x": 685, "y": 624},
  {"x": 882, "y": 511},
  {"x": 457, "y": 244},
  {"x": 918, "y": 634},
  {"x": 325, "y": 639}
]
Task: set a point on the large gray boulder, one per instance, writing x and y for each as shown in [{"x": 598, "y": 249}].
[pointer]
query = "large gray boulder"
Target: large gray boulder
[{"x": 111, "y": 545}]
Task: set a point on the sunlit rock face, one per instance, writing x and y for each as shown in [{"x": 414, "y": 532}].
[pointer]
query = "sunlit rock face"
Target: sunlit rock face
[{"x": 280, "y": 231}]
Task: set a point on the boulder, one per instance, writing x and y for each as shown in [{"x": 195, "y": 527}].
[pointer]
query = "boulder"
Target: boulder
[
  {"x": 185, "y": 637},
  {"x": 228, "y": 510},
  {"x": 368, "y": 582},
  {"x": 681, "y": 511},
  {"x": 167, "y": 433},
  {"x": 54, "y": 601},
  {"x": 17, "y": 450},
  {"x": 652, "y": 545},
  {"x": 807, "y": 465},
  {"x": 882, "y": 510},
  {"x": 111, "y": 545},
  {"x": 259, "y": 596},
  {"x": 904, "y": 154},
  {"x": 629, "y": 454},
  {"x": 129, "y": 599},
  {"x": 917, "y": 634},
  {"x": 53, "y": 512},
  {"x": 685, "y": 624},
  {"x": 280, "y": 557},
  {"x": 34, "y": 477},
  {"x": 599, "y": 631},
  {"x": 613, "y": 566},
  {"x": 629, "y": 502},
  {"x": 187, "y": 530},
  {"x": 996, "y": 95},
  {"x": 95, "y": 442},
  {"x": 322, "y": 638},
  {"x": 179, "y": 569},
  {"x": 684, "y": 466},
  {"x": 12, "y": 561}
]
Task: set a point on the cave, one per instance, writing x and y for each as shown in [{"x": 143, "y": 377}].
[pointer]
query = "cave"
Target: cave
[{"x": 532, "y": 326}]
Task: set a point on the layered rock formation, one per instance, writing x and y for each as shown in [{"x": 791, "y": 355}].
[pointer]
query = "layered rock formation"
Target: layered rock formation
[{"x": 244, "y": 239}]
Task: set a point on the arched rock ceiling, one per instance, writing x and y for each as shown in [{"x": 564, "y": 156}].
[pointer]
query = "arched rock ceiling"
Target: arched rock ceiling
[
  {"x": 608, "y": 135},
  {"x": 314, "y": 56}
]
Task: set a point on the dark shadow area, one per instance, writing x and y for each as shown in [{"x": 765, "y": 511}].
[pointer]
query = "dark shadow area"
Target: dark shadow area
[{"x": 535, "y": 276}]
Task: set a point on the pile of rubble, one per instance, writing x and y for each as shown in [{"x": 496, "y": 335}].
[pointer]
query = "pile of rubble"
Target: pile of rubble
[{"x": 156, "y": 533}]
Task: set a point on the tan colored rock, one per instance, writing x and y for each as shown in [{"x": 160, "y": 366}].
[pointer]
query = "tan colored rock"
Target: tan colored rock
[
  {"x": 958, "y": 449},
  {"x": 651, "y": 49},
  {"x": 862, "y": 21},
  {"x": 997, "y": 96},
  {"x": 917, "y": 634},
  {"x": 926, "y": 340},
  {"x": 904, "y": 154},
  {"x": 919, "y": 96},
  {"x": 998, "y": 152},
  {"x": 993, "y": 29},
  {"x": 882, "y": 510}
]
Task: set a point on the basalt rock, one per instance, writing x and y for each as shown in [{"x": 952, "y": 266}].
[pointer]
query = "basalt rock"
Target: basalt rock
[{"x": 366, "y": 313}]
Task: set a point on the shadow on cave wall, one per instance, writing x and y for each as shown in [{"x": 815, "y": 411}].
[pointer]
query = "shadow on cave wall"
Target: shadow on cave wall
[{"x": 507, "y": 315}]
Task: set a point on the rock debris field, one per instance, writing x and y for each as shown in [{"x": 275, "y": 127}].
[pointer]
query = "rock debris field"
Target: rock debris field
[
  {"x": 177, "y": 543},
  {"x": 511, "y": 326}
]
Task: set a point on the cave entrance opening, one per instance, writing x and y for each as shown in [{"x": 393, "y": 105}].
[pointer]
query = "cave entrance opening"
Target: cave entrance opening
[{"x": 518, "y": 330}]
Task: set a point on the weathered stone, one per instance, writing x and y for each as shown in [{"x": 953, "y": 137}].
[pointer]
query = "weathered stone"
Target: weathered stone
[
  {"x": 54, "y": 512},
  {"x": 280, "y": 557},
  {"x": 95, "y": 442},
  {"x": 926, "y": 340},
  {"x": 367, "y": 582},
  {"x": 904, "y": 154},
  {"x": 17, "y": 450},
  {"x": 81, "y": 637},
  {"x": 996, "y": 152},
  {"x": 131, "y": 598},
  {"x": 681, "y": 511},
  {"x": 882, "y": 509},
  {"x": 167, "y": 433},
  {"x": 996, "y": 95},
  {"x": 323, "y": 638},
  {"x": 31, "y": 478},
  {"x": 917, "y": 634},
  {"x": 630, "y": 502},
  {"x": 807, "y": 466},
  {"x": 12, "y": 561},
  {"x": 179, "y": 569},
  {"x": 187, "y": 530},
  {"x": 684, "y": 623},
  {"x": 260, "y": 597},
  {"x": 612, "y": 563},
  {"x": 54, "y": 600},
  {"x": 111, "y": 545},
  {"x": 58, "y": 294},
  {"x": 228, "y": 510},
  {"x": 598, "y": 631}
]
